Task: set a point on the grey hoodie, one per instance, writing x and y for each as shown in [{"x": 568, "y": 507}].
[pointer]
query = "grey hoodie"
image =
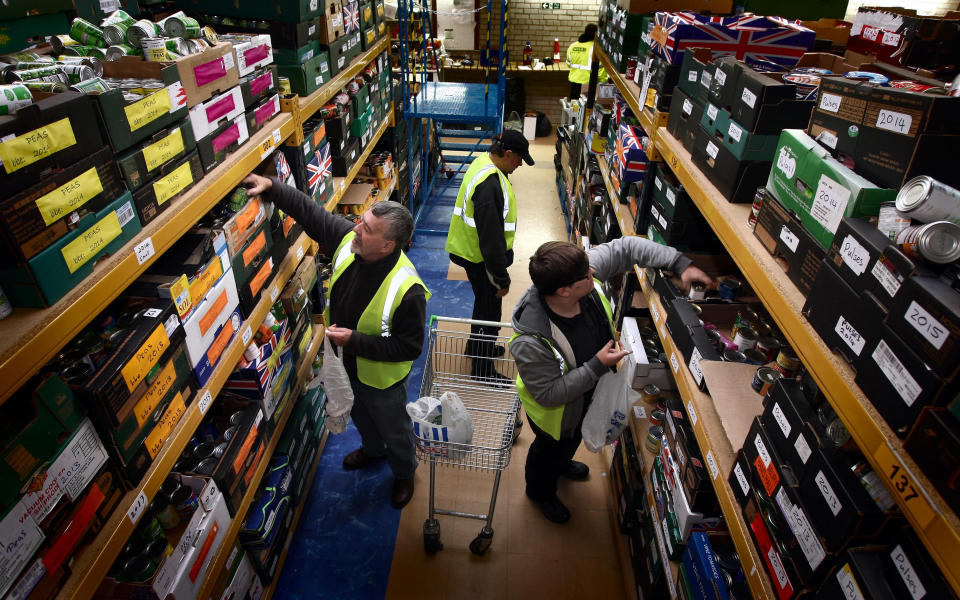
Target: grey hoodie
[{"x": 536, "y": 363}]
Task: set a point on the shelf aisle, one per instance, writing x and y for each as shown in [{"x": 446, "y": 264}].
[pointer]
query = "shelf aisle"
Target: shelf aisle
[
  {"x": 621, "y": 210},
  {"x": 31, "y": 337},
  {"x": 92, "y": 564},
  {"x": 932, "y": 519},
  {"x": 715, "y": 447},
  {"x": 340, "y": 184}
]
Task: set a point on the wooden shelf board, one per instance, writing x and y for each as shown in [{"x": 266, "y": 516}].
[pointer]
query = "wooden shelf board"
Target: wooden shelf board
[
  {"x": 312, "y": 103},
  {"x": 31, "y": 337},
  {"x": 91, "y": 565},
  {"x": 932, "y": 519}
]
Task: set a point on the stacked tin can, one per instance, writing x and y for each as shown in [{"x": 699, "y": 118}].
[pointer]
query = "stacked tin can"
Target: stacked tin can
[
  {"x": 145, "y": 550},
  {"x": 937, "y": 208}
]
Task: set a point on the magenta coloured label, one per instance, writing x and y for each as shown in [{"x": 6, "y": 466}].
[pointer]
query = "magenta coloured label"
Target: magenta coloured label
[
  {"x": 220, "y": 108},
  {"x": 226, "y": 138},
  {"x": 208, "y": 72},
  {"x": 256, "y": 54},
  {"x": 261, "y": 83},
  {"x": 265, "y": 112}
]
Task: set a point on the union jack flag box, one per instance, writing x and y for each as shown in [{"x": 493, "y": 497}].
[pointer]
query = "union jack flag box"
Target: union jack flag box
[
  {"x": 320, "y": 173},
  {"x": 753, "y": 39},
  {"x": 351, "y": 16},
  {"x": 631, "y": 158},
  {"x": 621, "y": 110},
  {"x": 253, "y": 376}
]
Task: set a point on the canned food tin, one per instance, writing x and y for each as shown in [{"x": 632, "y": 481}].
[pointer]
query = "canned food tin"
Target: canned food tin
[
  {"x": 755, "y": 357},
  {"x": 913, "y": 86},
  {"x": 769, "y": 346},
  {"x": 729, "y": 288},
  {"x": 78, "y": 73},
  {"x": 185, "y": 500},
  {"x": 925, "y": 199},
  {"x": 143, "y": 28},
  {"x": 631, "y": 69},
  {"x": 654, "y": 435},
  {"x": 229, "y": 433},
  {"x": 208, "y": 35},
  {"x": 734, "y": 356},
  {"x": 650, "y": 393},
  {"x": 91, "y": 86},
  {"x": 179, "y": 25},
  {"x": 59, "y": 42},
  {"x": 745, "y": 339},
  {"x": 219, "y": 449},
  {"x": 657, "y": 416},
  {"x": 52, "y": 74},
  {"x": 88, "y": 51},
  {"x": 13, "y": 97},
  {"x": 87, "y": 33},
  {"x": 698, "y": 290},
  {"x": 19, "y": 57},
  {"x": 139, "y": 569},
  {"x": 206, "y": 466},
  {"x": 91, "y": 61},
  {"x": 787, "y": 362},
  {"x": 166, "y": 514},
  {"x": 155, "y": 49},
  {"x": 158, "y": 549},
  {"x": 150, "y": 529},
  {"x": 763, "y": 379},
  {"x": 891, "y": 221},
  {"x": 115, "y": 32},
  {"x": 118, "y": 50},
  {"x": 876, "y": 78},
  {"x": 938, "y": 242}
]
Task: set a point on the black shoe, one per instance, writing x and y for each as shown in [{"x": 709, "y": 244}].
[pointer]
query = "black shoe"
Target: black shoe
[
  {"x": 498, "y": 351},
  {"x": 576, "y": 471},
  {"x": 358, "y": 460},
  {"x": 552, "y": 509},
  {"x": 484, "y": 371}
]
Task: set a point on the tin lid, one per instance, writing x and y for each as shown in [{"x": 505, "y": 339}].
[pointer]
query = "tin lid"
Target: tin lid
[
  {"x": 939, "y": 242},
  {"x": 913, "y": 193}
]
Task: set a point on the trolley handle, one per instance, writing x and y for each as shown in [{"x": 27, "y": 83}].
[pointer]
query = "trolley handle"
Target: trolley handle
[{"x": 435, "y": 318}]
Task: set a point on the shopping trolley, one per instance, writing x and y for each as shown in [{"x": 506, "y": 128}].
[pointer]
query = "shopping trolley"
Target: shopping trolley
[{"x": 492, "y": 403}]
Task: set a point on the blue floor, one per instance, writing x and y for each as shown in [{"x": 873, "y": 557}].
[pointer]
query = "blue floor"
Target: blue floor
[{"x": 343, "y": 546}]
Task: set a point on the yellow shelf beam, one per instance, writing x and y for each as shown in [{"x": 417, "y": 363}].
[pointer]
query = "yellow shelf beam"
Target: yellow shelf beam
[
  {"x": 31, "y": 337},
  {"x": 91, "y": 565},
  {"x": 714, "y": 445},
  {"x": 932, "y": 519}
]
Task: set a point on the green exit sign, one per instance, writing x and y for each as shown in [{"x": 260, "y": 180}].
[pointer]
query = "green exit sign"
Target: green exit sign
[{"x": 549, "y": 6}]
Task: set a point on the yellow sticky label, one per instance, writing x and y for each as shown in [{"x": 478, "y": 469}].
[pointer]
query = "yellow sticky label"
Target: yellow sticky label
[
  {"x": 170, "y": 185},
  {"x": 69, "y": 196},
  {"x": 307, "y": 336},
  {"x": 146, "y": 357},
  {"x": 160, "y": 152},
  {"x": 36, "y": 145},
  {"x": 202, "y": 284},
  {"x": 149, "y": 109},
  {"x": 158, "y": 389},
  {"x": 160, "y": 433},
  {"x": 79, "y": 251},
  {"x": 180, "y": 294}
]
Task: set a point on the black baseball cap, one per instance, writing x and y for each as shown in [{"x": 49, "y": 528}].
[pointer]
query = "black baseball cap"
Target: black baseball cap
[{"x": 515, "y": 142}]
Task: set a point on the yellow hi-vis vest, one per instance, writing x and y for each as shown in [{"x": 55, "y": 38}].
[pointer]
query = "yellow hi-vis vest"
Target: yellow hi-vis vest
[
  {"x": 550, "y": 418},
  {"x": 462, "y": 239},
  {"x": 377, "y": 317},
  {"x": 579, "y": 57}
]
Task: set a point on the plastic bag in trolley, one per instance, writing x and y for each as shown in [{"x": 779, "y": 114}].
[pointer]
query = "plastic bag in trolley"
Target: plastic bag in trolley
[{"x": 438, "y": 422}]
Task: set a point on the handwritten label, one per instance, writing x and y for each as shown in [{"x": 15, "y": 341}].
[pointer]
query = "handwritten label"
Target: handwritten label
[
  {"x": 180, "y": 293},
  {"x": 172, "y": 184},
  {"x": 734, "y": 132},
  {"x": 929, "y": 327},
  {"x": 136, "y": 509},
  {"x": 781, "y": 420},
  {"x": 35, "y": 145},
  {"x": 706, "y": 79},
  {"x": 694, "y": 365},
  {"x": 828, "y": 139},
  {"x": 800, "y": 526},
  {"x": 890, "y": 39},
  {"x": 246, "y": 336},
  {"x": 749, "y": 98},
  {"x": 687, "y": 107},
  {"x": 712, "y": 112},
  {"x": 778, "y": 569},
  {"x": 788, "y": 238},
  {"x": 19, "y": 539},
  {"x": 885, "y": 275},
  {"x": 830, "y": 102},
  {"x": 826, "y": 490},
  {"x": 902, "y": 481},
  {"x": 870, "y": 33},
  {"x": 144, "y": 250},
  {"x": 786, "y": 162},
  {"x": 829, "y": 203},
  {"x": 146, "y": 357},
  {"x": 78, "y": 252},
  {"x": 907, "y": 573},
  {"x": 712, "y": 150},
  {"x": 155, "y": 440},
  {"x": 851, "y": 591},
  {"x": 157, "y": 391},
  {"x": 639, "y": 412},
  {"x": 160, "y": 152},
  {"x": 714, "y": 471},
  {"x": 896, "y": 122},
  {"x": 143, "y": 112},
  {"x": 205, "y": 401},
  {"x": 674, "y": 363},
  {"x": 720, "y": 77},
  {"x": 69, "y": 196},
  {"x": 741, "y": 479},
  {"x": 896, "y": 373},
  {"x": 803, "y": 448},
  {"x": 691, "y": 413},
  {"x": 854, "y": 255},
  {"x": 850, "y": 335},
  {"x": 274, "y": 292}
]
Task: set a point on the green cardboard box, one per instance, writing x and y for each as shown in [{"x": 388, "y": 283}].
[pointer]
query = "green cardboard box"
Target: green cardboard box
[
  {"x": 296, "y": 56},
  {"x": 368, "y": 37},
  {"x": 308, "y": 77},
  {"x": 47, "y": 277},
  {"x": 360, "y": 100},
  {"x": 139, "y": 165},
  {"x": 743, "y": 145},
  {"x": 287, "y": 11},
  {"x": 17, "y": 34},
  {"x": 366, "y": 15},
  {"x": 813, "y": 184},
  {"x": 92, "y": 10}
]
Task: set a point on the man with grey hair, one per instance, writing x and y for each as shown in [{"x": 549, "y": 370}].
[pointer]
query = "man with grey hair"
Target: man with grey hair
[{"x": 375, "y": 314}]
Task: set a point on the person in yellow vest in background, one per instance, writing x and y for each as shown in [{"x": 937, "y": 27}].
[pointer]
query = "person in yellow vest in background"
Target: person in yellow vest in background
[
  {"x": 565, "y": 341},
  {"x": 376, "y": 313},
  {"x": 480, "y": 240},
  {"x": 579, "y": 59}
]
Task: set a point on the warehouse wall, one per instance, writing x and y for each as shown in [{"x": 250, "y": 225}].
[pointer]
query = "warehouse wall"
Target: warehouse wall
[{"x": 527, "y": 21}]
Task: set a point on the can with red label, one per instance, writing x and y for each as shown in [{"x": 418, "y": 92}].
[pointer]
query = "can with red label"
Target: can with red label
[{"x": 938, "y": 242}]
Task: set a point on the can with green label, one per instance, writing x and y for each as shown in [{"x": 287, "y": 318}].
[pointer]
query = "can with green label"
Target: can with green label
[
  {"x": 87, "y": 33},
  {"x": 143, "y": 28},
  {"x": 90, "y": 51},
  {"x": 180, "y": 25},
  {"x": 94, "y": 63},
  {"x": 12, "y": 98},
  {"x": 51, "y": 87},
  {"x": 59, "y": 42},
  {"x": 115, "y": 32},
  {"x": 53, "y": 73},
  {"x": 77, "y": 73},
  {"x": 115, "y": 52},
  {"x": 94, "y": 85}
]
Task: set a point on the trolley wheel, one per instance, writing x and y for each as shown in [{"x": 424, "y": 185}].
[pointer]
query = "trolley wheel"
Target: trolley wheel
[
  {"x": 431, "y": 536},
  {"x": 481, "y": 543}
]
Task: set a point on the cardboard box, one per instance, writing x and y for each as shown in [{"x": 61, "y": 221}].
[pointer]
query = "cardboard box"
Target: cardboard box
[
  {"x": 40, "y": 215},
  {"x": 52, "y": 133},
  {"x": 248, "y": 259},
  {"x": 244, "y": 452},
  {"x": 291, "y": 57},
  {"x": 685, "y": 115},
  {"x": 268, "y": 509},
  {"x": 251, "y": 52},
  {"x": 211, "y": 325},
  {"x": 338, "y": 51},
  {"x": 286, "y": 11},
  {"x": 207, "y": 116},
  {"x": 838, "y": 114},
  {"x": 207, "y": 73},
  {"x": 55, "y": 271},
  {"x": 792, "y": 425},
  {"x": 935, "y": 444},
  {"x": 835, "y": 312},
  {"x": 260, "y": 115},
  {"x": 331, "y": 23},
  {"x": 807, "y": 180},
  {"x": 222, "y": 141},
  {"x": 860, "y": 570},
  {"x": 736, "y": 138},
  {"x": 138, "y": 165},
  {"x": 343, "y": 162},
  {"x": 784, "y": 237},
  {"x": 309, "y": 76},
  {"x": 827, "y": 28},
  {"x": 737, "y": 180},
  {"x": 173, "y": 179},
  {"x": 927, "y": 317}
]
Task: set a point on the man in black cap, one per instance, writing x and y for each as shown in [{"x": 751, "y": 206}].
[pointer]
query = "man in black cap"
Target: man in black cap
[{"x": 480, "y": 240}]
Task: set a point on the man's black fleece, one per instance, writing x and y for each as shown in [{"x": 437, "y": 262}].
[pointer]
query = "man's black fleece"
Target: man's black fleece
[
  {"x": 488, "y": 214},
  {"x": 357, "y": 285}
]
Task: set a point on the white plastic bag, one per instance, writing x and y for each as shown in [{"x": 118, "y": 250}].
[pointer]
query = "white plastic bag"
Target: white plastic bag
[
  {"x": 336, "y": 384},
  {"x": 608, "y": 413},
  {"x": 443, "y": 420}
]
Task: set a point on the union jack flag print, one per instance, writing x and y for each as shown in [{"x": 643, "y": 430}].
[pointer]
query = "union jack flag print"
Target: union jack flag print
[
  {"x": 631, "y": 158},
  {"x": 319, "y": 171},
  {"x": 751, "y": 38},
  {"x": 351, "y": 17}
]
